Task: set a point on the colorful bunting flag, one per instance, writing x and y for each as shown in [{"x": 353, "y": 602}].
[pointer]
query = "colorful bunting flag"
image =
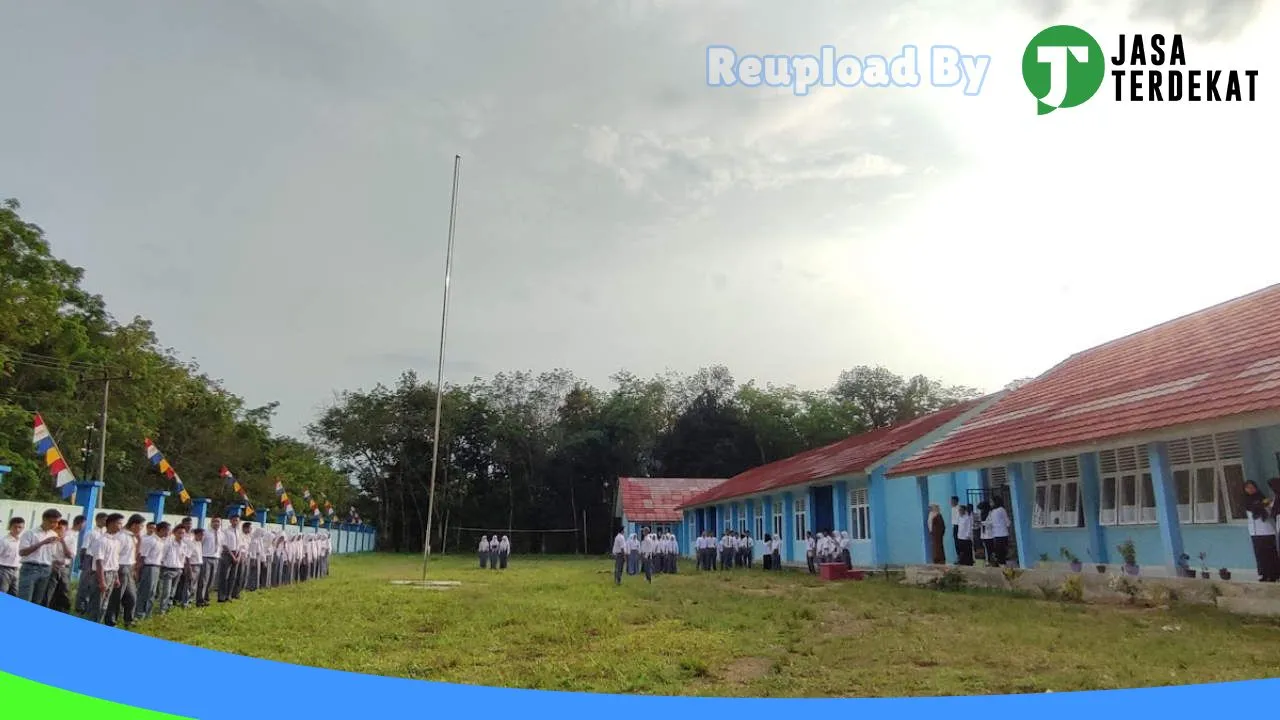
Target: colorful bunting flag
[
  {"x": 311, "y": 503},
  {"x": 158, "y": 461},
  {"x": 285, "y": 502},
  {"x": 238, "y": 489},
  {"x": 63, "y": 479}
]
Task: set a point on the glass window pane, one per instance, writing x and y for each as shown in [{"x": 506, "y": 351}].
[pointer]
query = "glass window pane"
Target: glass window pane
[
  {"x": 1128, "y": 491},
  {"x": 1233, "y": 479},
  {"x": 1182, "y": 478},
  {"x": 1148, "y": 495},
  {"x": 1070, "y": 497},
  {"x": 1108, "y": 499}
]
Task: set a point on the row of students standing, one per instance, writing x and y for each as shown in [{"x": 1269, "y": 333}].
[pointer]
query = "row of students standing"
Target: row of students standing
[
  {"x": 655, "y": 553},
  {"x": 494, "y": 552},
  {"x": 827, "y": 547},
  {"x": 732, "y": 550},
  {"x": 991, "y": 525},
  {"x": 132, "y": 569}
]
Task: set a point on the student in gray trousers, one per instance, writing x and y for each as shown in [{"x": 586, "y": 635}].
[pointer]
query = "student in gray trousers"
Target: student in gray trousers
[
  {"x": 227, "y": 569},
  {"x": 210, "y": 554},
  {"x": 83, "y": 591}
]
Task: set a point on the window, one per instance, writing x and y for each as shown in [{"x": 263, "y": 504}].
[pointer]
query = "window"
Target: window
[
  {"x": 742, "y": 524},
  {"x": 801, "y": 516},
  {"x": 1208, "y": 477},
  {"x": 859, "y": 515},
  {"x": 1057, "y": 493},
  {"x": 759, "y": 531},
  {"x": 777, "y": 521},
  {"x": 997, "y": 476}
]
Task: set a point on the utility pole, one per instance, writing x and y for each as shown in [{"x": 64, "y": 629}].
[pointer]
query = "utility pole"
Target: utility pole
[{"x": 102, "y": 426}]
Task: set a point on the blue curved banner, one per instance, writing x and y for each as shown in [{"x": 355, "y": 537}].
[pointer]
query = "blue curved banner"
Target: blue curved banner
[{"x": 210, "y": 685}]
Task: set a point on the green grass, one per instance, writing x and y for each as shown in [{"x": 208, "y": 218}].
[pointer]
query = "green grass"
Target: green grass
[{"x": 560, "y": 624}]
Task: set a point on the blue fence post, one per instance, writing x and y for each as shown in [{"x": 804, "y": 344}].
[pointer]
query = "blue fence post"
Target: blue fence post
[
  {"x": 262, "y": 518},
  {"x": 87, "y": 495},
  {"x": 235, "y": 510},
  {"x": 155, "y": 504},
  {"x": 4, "y": 470},
  {"x": 201, "y": 508}
]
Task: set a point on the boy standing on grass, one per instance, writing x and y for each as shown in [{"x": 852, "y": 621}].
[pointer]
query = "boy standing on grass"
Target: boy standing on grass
[
  {"x": 86, "y": 563},
  {"x": 9, "y": 557},
  {"x": 210, "y": 553},
  {"x": 105, "y": 551},
  {"x": 230, "y": 557},
  {"x": 172, "y": 564},
  {"x": 151, "y": 550},
  {"x": 35, "y": 553},
  {"x": 619, "y": 556},
  {"x": 194, "y": 549},
  {"x": 58, "y": 594},
  {"x": 124, "y": 599},
  {"x": 242, "y": 565}
]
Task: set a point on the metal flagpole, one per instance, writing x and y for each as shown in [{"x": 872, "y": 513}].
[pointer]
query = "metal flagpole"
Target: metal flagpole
[{"x": 444, "y": 319}]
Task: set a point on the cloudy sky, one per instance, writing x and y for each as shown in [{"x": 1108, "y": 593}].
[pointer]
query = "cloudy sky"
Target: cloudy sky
[{"x": 269, "y": 183}]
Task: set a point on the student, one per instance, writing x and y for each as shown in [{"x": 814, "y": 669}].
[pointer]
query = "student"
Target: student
[
  {"x": 767, "y": 551},
  {"x": 647, "y": 547},
  {"x": 210, "y": 554},
  {"x": 619, "y": 556},
  {"x": 494, "y": 546},
  {"x": 85, "y": 589},
  {"x": 999, "y": 530},
  {"x": 104, "y": 578},
  {"x": 1262, "y": 533},
  {"x": 58, "y": 593},
  {"x": 504, "y": 551},
  {"x": 750, "y": 551},
  {"x": 173, "y": 563},
  {"x": 180, "y": 590},
  {"x": 123, "y": 604},
  {"x": 227, "y": 570},
  {"x": 984, "y": 533},
  {"x": 724, "y": 550},
  {"x": 810, "y": 551},
  {"x": 483, "y": 551},
  {"x": 964, "y": 530},
  {"x": 244, "y": 546},
  {"x": 253, "y": 554},
  {"x": 35, "y": 553},
  {"x": 675, "y": 554},
  {"x": 9, "y": 560},
  {"x": 955, "y": 523},
  {"x": 776, "y": 550},
  {"x": 194, "y": 548},
  {"x": 151, "y": 552}
]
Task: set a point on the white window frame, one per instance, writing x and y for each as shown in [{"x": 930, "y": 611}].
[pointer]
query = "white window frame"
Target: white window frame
[
  {"x": 759, "y": 526},
  {"x": 778, "y": 526},
  {"x": 1057, "y": 479},
  {"x": 800, "y": 516},
  {"x": 859, "y": 515},
  {"x": 1193, "y": 462}
]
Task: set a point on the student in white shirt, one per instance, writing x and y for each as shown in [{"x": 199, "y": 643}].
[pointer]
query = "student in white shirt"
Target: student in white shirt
[
  {"x": 494, "y": 543},
  {"x": 810, "y": 552},
  {"x": 58, "y": 593},
  {"x": 1262, "y": 533},
  {"x": 173, "y": 562},
  {"x": 483, "y": 551},
  {"x": 647, "y": 547},
  {"x": 504, "y": 551},
  {"x": 9, "y": 562},
  {"x": 105, "y": 577},
  {"x": 85, "y": 589},
  {"x": 243, "y": 545},
  {"x": 35, "y": 553},
  {"x": 999, "y": 520},
  {"x": 124, "y": 599},
  {"x": 227, "y": 566},
  {"x": 955, "y": 523},
  {"x": 210, "y": 554},
  {"x": 749, "y": 550},
  {"x": 775, "y": 549},
  {"x": 619, "y": 552},
  {"x": 984, "y": 533},
  {"x": 633, "y": 554},
  {"x": 151, "y": 553},
  {"x": 964, "y": 543},
  {"x": 193, "y": 548},
  {"x": 675, "y": 554}
]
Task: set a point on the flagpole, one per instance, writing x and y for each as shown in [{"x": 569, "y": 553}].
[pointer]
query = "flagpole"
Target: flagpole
[{"x": 444, "y": 319}]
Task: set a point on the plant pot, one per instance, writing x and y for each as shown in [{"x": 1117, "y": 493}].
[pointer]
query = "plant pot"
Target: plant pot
[
  {"x": 1102, "y": 569},
  {"x": 1188, "y": 573},
  {"x": 1225, "y": 574},
  {"x": 1130, "y": 570},
  {"x": 1204, "y": 574},
  {"x": 1076, "y": 565}
]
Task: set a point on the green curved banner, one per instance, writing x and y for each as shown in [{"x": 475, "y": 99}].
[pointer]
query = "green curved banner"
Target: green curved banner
[{"x": 31, "y": 699}]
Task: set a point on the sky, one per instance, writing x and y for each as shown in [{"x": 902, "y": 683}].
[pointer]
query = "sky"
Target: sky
[{"x": 269, "y": 183}]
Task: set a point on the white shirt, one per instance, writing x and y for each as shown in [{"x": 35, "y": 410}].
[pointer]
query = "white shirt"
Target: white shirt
[
  {"x": 1260, "y": 526},
  {"x": 173, "y": 556},
  {"x": 64, "y": 552},
  {"x": 999, "y": 519},
  {"x": 33, "y": 537},
  {"x": 810, "y": 545},
  {"x": 194, "y": 551},
  {"x": 153, "y": 549},
  {"x": 777, "y": 545},
  {"x": 211, "y": 546},
  {"x": 227, "y": 536},
  {"x": 955, "y": 516},
  {"x": 965, "y": 523},
  {"x": 128, "y": 547},
  {"x": 504, "y": 545},
  {"x": 484, "y": 544},
  {"x": 619, "y": 544},
  {"x": 9, "y": 551},
  {"x": 844, "y": 541},
  {"x": 647, "y": 545},
  {"x": 105, "y": 552}
]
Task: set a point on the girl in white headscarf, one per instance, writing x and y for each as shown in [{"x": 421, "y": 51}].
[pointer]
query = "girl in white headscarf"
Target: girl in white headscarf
[
  {"x": 494, "y": 545},
  {"x": 675, "y": 554},
  {"x": 504, "y": 551},
  {"x": 484, "y": 551},
  {"x": 845, "y": 557},
  {"x": 633, "y": 554}
]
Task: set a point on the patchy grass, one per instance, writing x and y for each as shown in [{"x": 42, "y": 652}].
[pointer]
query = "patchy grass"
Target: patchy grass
[{"x": 560, "y": 624}]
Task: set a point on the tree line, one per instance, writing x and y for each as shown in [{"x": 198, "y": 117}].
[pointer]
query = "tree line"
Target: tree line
[{"x": 519, "y": 450}]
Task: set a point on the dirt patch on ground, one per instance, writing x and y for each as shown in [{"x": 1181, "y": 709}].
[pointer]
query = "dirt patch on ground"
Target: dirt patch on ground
[
  {"x": 744, "y": 670},
  {"x": 765, "y": 592},
  {"x": 843, "y": 623}
]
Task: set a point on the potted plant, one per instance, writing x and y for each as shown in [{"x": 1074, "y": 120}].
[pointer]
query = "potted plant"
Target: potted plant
[
  {"x": 1044, "y": 557},
  {"x": 1071, "y": 558},
  {"x": 1100, "y": 567},
  {"x": 1184, "y": 566},
  {"x": 1224, "y": 573},
  {"x": 1129, "y": 554},
  {"x": 1204, "y": 566}
]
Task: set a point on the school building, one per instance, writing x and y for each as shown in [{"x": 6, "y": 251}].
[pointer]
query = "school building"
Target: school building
[
  {"x": 1147, "y": 438},
  {"x": 842, "y": 486},
  {"x": 654, "y": 502}
]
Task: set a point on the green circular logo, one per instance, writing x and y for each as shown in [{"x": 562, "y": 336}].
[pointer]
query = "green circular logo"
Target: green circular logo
[{"x": 1063, "y": 66}]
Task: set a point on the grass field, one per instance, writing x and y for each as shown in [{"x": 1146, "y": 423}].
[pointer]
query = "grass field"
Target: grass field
[{"x": 560, "y": 624}]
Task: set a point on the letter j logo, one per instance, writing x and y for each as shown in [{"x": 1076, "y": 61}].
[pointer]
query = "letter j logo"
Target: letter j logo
[{"x": 1063, "y": 66}]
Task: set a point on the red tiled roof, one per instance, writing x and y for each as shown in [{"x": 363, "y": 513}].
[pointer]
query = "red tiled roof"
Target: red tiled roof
[
  {"x": 1212, "y": 364},
  {"x": 658, "y": 499},
  {"x": 852, "y": 455}
]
